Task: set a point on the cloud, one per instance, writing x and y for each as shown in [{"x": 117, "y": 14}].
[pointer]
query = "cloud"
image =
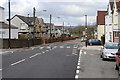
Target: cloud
[{"x": 70, "y": 11}]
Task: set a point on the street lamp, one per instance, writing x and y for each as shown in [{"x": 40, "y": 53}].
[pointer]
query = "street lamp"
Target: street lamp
[
  {"x": 9, "y": 43},
  {"x": 50, "y": 28},
  {"x": 86, "y": 30}
]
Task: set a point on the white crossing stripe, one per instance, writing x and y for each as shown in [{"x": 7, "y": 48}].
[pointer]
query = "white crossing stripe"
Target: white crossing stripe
[
  {"x": 61, "y": 47},
  {"x": 75, "y": 47},
  {"x": 68, "y": 47},
  {"x": 43, "y": 52}
]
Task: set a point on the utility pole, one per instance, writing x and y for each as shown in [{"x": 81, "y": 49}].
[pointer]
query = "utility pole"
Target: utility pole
[
  {"x": 63, "y": 33},
  {"x": 28, "y": 31},
  {"x": 34, "y": 24},
  {"x": 86, "y": 30},
  {"x": 9, "y": 43},
  {"x": 50, "y": 28}
]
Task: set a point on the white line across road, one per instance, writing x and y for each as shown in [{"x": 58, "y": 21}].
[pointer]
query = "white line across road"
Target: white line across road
[
  {"x": 18, "y": 62},
  {"x": 68, "y": 47}
]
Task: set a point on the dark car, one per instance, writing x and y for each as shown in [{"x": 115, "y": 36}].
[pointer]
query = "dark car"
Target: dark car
[{"x": 94, "y": 42}]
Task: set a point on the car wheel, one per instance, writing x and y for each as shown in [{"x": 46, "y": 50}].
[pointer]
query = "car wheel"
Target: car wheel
[
  {"x": 116, "y": 67},
  {"x": 103, "y": 58},
  {"x": 100, "y": 56}
]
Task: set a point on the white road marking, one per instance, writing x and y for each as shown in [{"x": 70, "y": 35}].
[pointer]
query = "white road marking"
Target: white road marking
[
  {"x": 18, "y": 62},
  {"x": 74, "y": 54},
  {"x": 78, "y": 61},
  {"x": 85, "y": 53},
  {"x": 43, "y": 52},
  {"x": 61, "y": 47},
  {"x": 78, "y": 64},
  {"x": 41, "y": 47},
  {"x": 32, "y": 48},
  {"x": 38, "y": 53},
  {"x": 68, "y": 47},
  {"x": 77, "y": 71},
  {"x": 80, "y": 52},
  {"x": 75, "y": 47},
  {"x": 76, "y": 76},
  {"x": 55, "y": 46},
  {"x": 0, "y": 69},
  {"x": 33, "y": 55},
  {"x": 48, "y": 47},
  {"x": 78, "y": 67}
]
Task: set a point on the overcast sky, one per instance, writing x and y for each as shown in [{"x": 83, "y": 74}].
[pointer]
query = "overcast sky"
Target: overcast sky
[{"x": 70, "y": 11}]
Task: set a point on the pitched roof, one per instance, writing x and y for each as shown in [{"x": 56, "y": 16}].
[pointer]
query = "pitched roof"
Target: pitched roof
[
  {"x": 101, "y": 17},
  {"x": 3, "y": 25},
  {"x": 27, "y": 20}
]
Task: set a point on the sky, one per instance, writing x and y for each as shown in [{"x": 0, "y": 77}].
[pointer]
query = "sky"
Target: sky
[{"x": 71, "y": 12}]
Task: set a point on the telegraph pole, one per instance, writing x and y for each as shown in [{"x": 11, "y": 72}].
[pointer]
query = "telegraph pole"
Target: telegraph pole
[
  {"x": 9, "y": 43},
  {"x": 50, "y": 28},
  {"x": 86, "y": 30},
  {"x": 34, "y": 24},
  {"x": 63, "y": 33}
]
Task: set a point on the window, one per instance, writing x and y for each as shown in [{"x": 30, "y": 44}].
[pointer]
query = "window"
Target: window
[
  {"x": 23, "y": 26},
  {"x": 116, "y": 34},
  {"x": 110, "y": 36}
]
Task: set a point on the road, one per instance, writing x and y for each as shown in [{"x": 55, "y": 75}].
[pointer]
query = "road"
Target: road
[{"x": 57, "y": 60}]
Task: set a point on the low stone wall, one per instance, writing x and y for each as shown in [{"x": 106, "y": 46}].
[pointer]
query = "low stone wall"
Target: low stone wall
[{"x": 20, "y": 43}]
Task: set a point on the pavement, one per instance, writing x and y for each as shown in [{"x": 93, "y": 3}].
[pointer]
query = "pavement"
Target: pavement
[{"x": 90, "y": 65}]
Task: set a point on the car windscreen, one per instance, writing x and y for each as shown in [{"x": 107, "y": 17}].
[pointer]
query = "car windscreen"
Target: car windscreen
[{"x": 111, "y": 46}]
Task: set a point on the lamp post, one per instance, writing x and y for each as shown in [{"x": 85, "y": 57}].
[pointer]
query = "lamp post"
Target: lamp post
[
  {"x": 50, "y": 28},
  {"x": 86, "y": 30},
  {"x": 9, "y": 43},
  {"x": 63, "y": 33}
]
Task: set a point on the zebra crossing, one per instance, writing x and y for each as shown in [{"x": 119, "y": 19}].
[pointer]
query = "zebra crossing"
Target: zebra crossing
[{"x": 61, "y": 47}]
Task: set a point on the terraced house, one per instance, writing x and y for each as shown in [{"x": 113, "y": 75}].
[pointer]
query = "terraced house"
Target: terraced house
[{"x": 112, "y": 21}]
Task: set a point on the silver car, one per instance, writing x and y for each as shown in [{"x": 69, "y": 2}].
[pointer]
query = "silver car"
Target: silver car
[{"x": 108, "y": 51}]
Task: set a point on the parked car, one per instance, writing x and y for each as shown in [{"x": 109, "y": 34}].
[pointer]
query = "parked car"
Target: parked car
[
  {"x": 94, "y": 42},
  {"x": 118, "y": 61},
  {"x": 109, "y": 50}
]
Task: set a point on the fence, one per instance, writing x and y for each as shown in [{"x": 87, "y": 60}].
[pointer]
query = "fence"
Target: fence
[{"x": 20, "y": 43}]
